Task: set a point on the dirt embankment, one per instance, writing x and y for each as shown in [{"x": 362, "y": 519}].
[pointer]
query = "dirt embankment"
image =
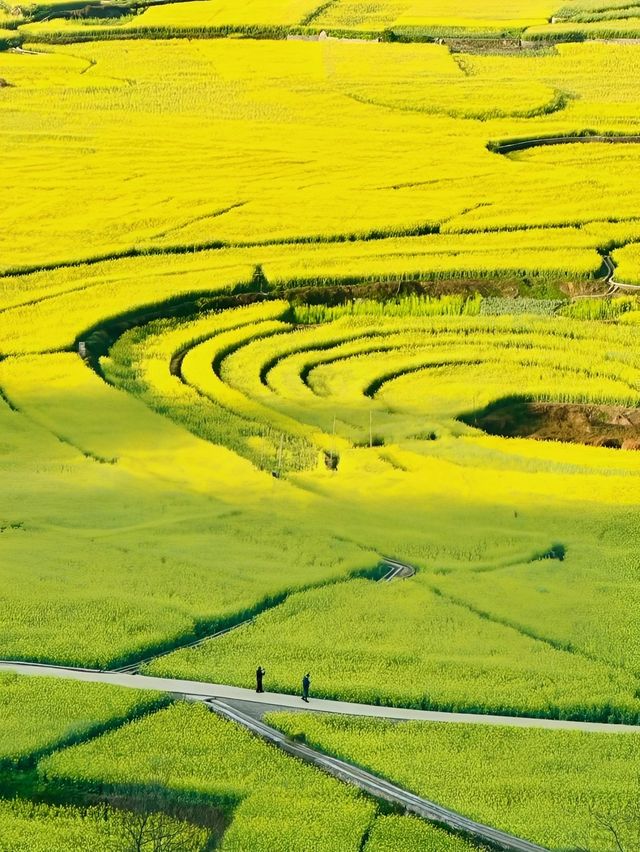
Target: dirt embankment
[{"x": 596, "y": 425}]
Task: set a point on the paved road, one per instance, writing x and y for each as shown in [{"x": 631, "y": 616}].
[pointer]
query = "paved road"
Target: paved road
[
  {"x": 378, "y": 787},
  {"x": 244, "y": 705},
  {"x": 203, "y": 691}
]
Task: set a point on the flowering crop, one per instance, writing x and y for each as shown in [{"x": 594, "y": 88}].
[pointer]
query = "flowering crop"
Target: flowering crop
[
  {"x": 420, "y": 650},
  {"x": 418, "y": 14},
  {"x": 152, "y": 174},
  {"x": 29, "y": 827},
  {"x": 277, "y": 803},
  {"x": 408, "y": 834},
  {"x": 538, "y": 784},
  {"x": 300, "y": 165},
  {"x": 40, "y": 714}
]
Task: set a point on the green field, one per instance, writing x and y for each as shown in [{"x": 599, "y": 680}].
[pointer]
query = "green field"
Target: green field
[
  {"x": 276, "y": 307},
  {"x": 206, "y": 757},
  {"x": 42, "y": 716},
  {"x": 546, "y": 786}
]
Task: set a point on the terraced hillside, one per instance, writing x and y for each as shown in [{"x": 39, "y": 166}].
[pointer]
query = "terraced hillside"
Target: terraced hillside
[{"x": 278, "y": 313}]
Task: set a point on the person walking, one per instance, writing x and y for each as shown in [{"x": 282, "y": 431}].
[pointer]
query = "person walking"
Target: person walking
[
  {"x": 306, "y": 683},
  {"x": 260, "y": 673}
]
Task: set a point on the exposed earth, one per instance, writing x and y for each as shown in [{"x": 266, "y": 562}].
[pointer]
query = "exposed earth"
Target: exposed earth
[{"x": 596, "y": 425}]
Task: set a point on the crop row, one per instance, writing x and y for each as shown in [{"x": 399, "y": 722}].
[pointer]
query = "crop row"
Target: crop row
[
  {"x": 273, "y": 391},
  {"x": 408, "y": 834},
  {"x": 541, "y": 358},
  {"x": 392, "y": 21},
  {"x": 139, "y": 362},
  {"x": 147, "y": 778},
  {"x": 53, "y": 309},
  {"x": 125, "y": 578},
  {"x": 576, "y": 30},
  {"x": 29, "y": 827}
]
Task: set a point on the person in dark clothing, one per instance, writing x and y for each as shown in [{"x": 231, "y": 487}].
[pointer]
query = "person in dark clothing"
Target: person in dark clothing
[
  {"x": 260, "y": 673},
  {"x": 306, "y": 683}
]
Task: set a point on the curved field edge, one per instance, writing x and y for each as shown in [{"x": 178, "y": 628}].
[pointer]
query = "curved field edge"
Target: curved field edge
[{"x": 80, "y": 368}]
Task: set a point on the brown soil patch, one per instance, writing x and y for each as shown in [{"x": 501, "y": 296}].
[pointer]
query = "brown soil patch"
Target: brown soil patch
[{"x": 595, "y": 425}]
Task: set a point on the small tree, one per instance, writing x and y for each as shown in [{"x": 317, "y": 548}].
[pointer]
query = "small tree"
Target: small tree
[
  {"x": 157, "y": 820},
  {"x": 616, "y": 828},
  {"x": 135, "y": 829},
  {"x": 259, "y": 282}
]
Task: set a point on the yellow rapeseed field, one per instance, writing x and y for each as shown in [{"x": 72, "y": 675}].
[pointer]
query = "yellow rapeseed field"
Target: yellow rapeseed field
[
  {"x": 196, "y": 144},
  {"x": 386, "y": 14},
  {"x": 258, "y": 296}
]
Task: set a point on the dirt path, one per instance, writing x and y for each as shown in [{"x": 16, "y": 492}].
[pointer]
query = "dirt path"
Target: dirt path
[{"x": 509, "y": 146}]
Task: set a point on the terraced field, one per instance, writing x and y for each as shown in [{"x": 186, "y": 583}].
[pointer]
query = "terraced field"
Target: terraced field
[{"x": 275, "y": 309}]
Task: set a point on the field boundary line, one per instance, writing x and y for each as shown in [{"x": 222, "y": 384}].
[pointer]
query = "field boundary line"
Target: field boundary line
[
  {"x": 395, "y": 570},
  {"x": 521, "y": 629}
]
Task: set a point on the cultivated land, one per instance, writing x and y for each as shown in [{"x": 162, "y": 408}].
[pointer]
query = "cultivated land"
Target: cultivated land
[{"x": 333, "y": 297}]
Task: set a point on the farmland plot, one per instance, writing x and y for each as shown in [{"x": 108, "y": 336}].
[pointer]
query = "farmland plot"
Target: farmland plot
[
  {"x": 304, "y": 182},
  {"x": 543, "y": 785}
]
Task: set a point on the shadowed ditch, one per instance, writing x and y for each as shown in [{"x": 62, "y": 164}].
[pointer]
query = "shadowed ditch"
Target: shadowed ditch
[{"x": 509, "y": 145}]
